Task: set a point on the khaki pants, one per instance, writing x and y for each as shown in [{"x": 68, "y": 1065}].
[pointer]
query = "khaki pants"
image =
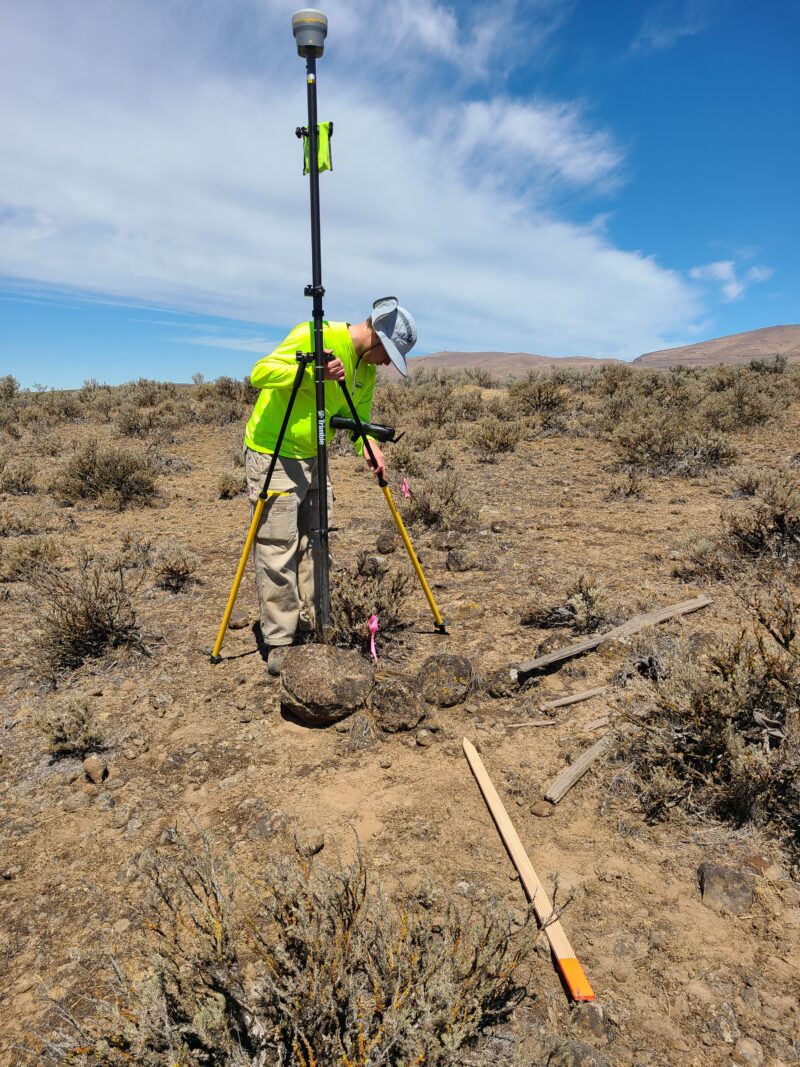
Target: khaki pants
[{"x": 282, "y": 550}]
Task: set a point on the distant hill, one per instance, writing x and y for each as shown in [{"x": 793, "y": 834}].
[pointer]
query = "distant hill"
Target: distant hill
[
  {"x": 737, "y": 348},
  {"x": 501, "y": 364}
]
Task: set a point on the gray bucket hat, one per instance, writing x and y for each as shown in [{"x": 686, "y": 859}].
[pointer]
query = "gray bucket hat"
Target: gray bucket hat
[{"x": 396, "y": 329}]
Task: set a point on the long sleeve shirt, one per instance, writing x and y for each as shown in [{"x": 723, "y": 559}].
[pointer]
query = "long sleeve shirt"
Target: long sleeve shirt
[{"x": 274, "y": 376}]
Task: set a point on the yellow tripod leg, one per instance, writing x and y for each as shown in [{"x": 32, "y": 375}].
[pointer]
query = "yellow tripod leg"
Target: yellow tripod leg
[
  {"x": 237, "y": 581},
  {"x": 440, "y": 625}
]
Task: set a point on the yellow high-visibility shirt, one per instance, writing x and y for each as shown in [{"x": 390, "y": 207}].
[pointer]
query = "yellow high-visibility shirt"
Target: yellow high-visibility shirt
[{"x": 274, "y": 376}]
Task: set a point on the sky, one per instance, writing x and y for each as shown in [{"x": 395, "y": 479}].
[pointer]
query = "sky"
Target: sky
[{"x": 561, "y": 177}]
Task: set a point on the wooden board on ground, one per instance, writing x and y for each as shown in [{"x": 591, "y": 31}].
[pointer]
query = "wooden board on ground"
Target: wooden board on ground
[
  {"x": 570, "y": 775},
  {"x": 632, "y": 626},
  {"x": 575, "y": 698},
  {"x": 568, "y": 965}
]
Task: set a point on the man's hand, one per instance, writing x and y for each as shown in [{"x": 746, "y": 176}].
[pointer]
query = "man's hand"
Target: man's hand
[
  {"x": 334, "y": 368},
  {"x": 380, "y": 469}
]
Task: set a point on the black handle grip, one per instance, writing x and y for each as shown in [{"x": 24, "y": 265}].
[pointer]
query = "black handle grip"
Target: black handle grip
[{"x": 380, "y": 433}]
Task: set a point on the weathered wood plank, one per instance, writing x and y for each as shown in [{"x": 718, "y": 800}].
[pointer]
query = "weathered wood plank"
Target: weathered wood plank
[
  {"x": 576, "y": 698},
  {"x": 560, "y": 786},
  {"x": 632, "y": 626}
]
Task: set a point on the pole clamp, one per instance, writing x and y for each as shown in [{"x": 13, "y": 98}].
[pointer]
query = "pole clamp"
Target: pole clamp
[
  {"x": 314, "y": 290},
  {"x": 301, "y": 131}
]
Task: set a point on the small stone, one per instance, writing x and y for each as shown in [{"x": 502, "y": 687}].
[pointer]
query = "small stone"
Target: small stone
[
  {"x": 267, "y": 826},
  {"x": 725, "y": 1025},
  {"x": 577, "y": 1054},
  {"x": 133, "y": 826},
  {"x": 168, "y": 836},
  {"x": 591, "y": 1021},
  {"x": 386, "y": 542},
  {"x": 238, "y": 621},
  {"x": 502, "y": 682},
  {"x": 245, "y": 715},
  {"x": 372, "y": 566},
  {"x": 748, "y": 1051},
  {"x": 121, "y": 926},
  {"x": 458, "y": 561},
  {"x": 542, "y": 809},
  {"x": 75, "y": 803},
  {"x": 726, "y": 889},
  {"x": 119, "y": 818},
  {"x": 310, "y": 842},
  {"x": 11, "y": 872},
  {"x": 385, "y": 763},
  {"x": 96, "y": 770},
  {"x": 446, "y": 539},
  {"x": 424, "y": 738},
  {"x": 115, "y": 783},
  {"x": 130, "y": 753},
  {"x": 106, "y": 802}
]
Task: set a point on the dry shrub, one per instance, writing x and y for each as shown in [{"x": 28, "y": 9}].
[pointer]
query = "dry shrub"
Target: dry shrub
[
  {"x": 115, "y": 477},
  {"x": 308, "y": 965},
  {"x": 70, "y": 728},
  {"x": 438, "y": 501},
  {"x": 584, "y": 608},
  {"x": 84, "y": 612},
  {"x": 15, "y": 523},
  {"x": 17, "y": 477},
  {"x": 231, "y": 485},
  {"x": 481, "y": 376},
  {"x": 492, "y": 436},
  {"x": 723, "y": 735},
  {"x": 9, "y": 388},
  {"x": 357, "y": 593},
  {"x": 174, "y": 567},
  {"x": 770, "y": 527},
  {"x": 407, "y": 459},
  {"x": 539, "y": 394},
  {"x": 658, "y": 444},
  {"x": 747, "y": 479},
  {"x": 21, "y": 559}
]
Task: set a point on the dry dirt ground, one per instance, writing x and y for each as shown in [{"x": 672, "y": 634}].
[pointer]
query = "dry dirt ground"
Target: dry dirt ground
[{"x": 193, "y": 745}]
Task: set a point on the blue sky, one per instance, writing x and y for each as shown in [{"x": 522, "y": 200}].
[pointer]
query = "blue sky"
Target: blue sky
[{"x": 554, "y": 177}]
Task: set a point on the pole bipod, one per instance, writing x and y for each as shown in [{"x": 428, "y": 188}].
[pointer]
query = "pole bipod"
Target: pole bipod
[{"x": 439, "y": 623}]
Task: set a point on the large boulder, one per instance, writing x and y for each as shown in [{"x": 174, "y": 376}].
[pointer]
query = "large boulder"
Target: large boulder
[
  {"x": 445, "y": 679},
  {"x": 321, "y": 684},
  {"x": 397, "y": 705}
]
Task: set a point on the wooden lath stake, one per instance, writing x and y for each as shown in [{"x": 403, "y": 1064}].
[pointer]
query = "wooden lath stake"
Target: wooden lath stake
[
  {"x": 632, "y": 626},
  {"x": 568, "y": 965}
]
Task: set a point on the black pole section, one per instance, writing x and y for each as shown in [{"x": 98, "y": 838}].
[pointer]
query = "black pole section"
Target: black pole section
[
  {"x": 316, "y": 291},
  {"x": 302, "y": 361}
]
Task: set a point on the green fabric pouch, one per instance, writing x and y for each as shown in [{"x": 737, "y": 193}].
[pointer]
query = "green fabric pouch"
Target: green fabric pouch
[{"x": 324, "y": 135}]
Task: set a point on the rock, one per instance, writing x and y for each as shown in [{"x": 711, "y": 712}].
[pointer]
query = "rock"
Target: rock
[
  {"x": 590, "y": 1020},
  {"x": 309, "y": 842},
  {"x": 387, "y": 542},
  {"x": 424, "y": 738},
  {"x": 502, "y": 682},
  {"x": 445, "y": 539},
  {"x": 121, "y": 926},
  {"x": 10, "y": 873},
  {"x": 458, "y": 560},
  {"x": 385, "y": 763},
  {"x": 577, "y": 1054},
  {"x": 239, "y": 620},
  {"x": 168, "y": 836},
  {"x": 321, "y": 684},
  {"x": 725, "y": 1025},
  {"x": 445, "y": 679},
  {"x": 372, "y": 566},
  {"x": 95, "y": 768},
  {"x": 543, "y": 809},
  {"x": 726, "y": 889},
  {"x": 396, "y": 705},
  {"x": 748, "y": 1051},
  {"x": 106, "y": 802},
  {"x": 75, "y": 803},
  {"x": 267, "y": 826},
  {"x": 119, "y": 818}
]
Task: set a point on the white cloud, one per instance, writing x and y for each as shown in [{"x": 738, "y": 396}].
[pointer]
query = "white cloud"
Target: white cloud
[
  {"x": 149, "y": 155},
  {"x": 669, "y": 21},
  {"x": 732, "y": 283}
]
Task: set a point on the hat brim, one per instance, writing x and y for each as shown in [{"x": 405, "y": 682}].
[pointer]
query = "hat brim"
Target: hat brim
[{"x": 391, "y": 350}]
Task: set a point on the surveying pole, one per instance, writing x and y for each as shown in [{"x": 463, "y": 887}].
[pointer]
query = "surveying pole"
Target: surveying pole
[{"x": 310, "y": 29}]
